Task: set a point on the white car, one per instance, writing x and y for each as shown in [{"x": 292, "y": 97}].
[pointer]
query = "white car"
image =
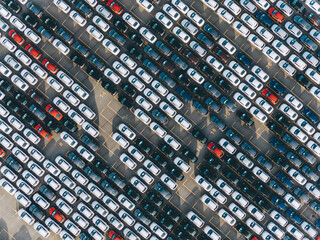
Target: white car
[
  {"x": 258, "y": 114},
  {"x": 157, "y": 129},
  {"x": 23, "y": 57},
  {"x": 237, "y": 68},
  {"x": 315, "y": 6},
  {"x": 256, "y": 41},
  {"x": 42, "y": 230},
  {"x": 5, "y": 142},
  {"x": 104, "y": 12},
  {"x": 5, "y": 70},
  {"x": 307, "y": 127},
  {"x": 217, "y": 65},
  {"x": 12, "y": 62},
  {"x": 120, "y": 140},
  {"x": 61, "y": 46},
  {"x": 25, "y": 187},
  {"x": 264, "y": 105},
  {"x": 311, "y": 231},
  {"x": 128, "y": 161},
  {"x": 297, "y": 176},
  {"x": 210, "y": 232},
  {"x": 18, "y": 23},
  {"x": 314, "y": 147},
  {"x": 225, "y": 15},
  {"x": 217, "y": 195},
  {"x": 265, "y": 34},
  {"x": 142, "y": 116},
  {"x": 168, "y": 181},
  {"x": 211, "y": 4},
  {"x": 203, "y": 183},
  {"x": 110, "y": 46},
  {"x": 297, "y": 62},
  {"x": 224, "y": 186},
  {"x": 227, "y": 217},
  {"x": 7, "y": 186},
  {"x": 315, "y": 34},
  {"x": 262, "y": 75},
  {"x": 136, "y": 153},
  {"x": 232, "y": 6},
  {"x": 120, "y": 69},
  {"x": 226, "y": 145},
  {"x": 125, "y": 130},
  {"x": 32, "y": 35},
  {"x": 102, "y": 24},
  {"x": 292, "y": 201},
  {"x": 100, "y": 209},
  {"x": 110, "y": 203},
  {"x": 126, "y": 202},
  {"x": 196, "y": 18},
  {"x": 284, "y": 7},
  {"x": 275, "y": 215},
  {"x": 315, "y": 92},
  {"x": 235, "y": 209},
  {"x": 183, "y": 122},
  {"x": 53, "y": 169},
  {"x": 62, "y": 5},
  {"x": 227, "y": 45},
  {"x": 247, "y": 90},
  {"x": 85, "y": 153},
  {"x": 15, "y": 122},
  {"x": 279, "y": 31},
  {"x": 112, "y": 76},
  {"x": 195, "y": 219},
  {"x": 29, "y": 77},
  {"x": 240, "y": 28},
  {"x": 86, "y": 211},
  {"x": 166, "y": 108},
  {"x": 254, "y": 226},
  {"x": 231, "y": 77},
  {"x": 64, "y": 206},
  {"x": 71, "y": 98},
  {"x": 181, "y": 34},
  {"x": 138, "y": 184},
  {"x": 30, "y": 178},
  {"x": 80, "y": 220},
  {"x": 86, "y": 111},
  {"x": 287, "y": 67},
  {"x": 168, "y": 9},
  {"x": 136, "y": 82},
  {"x": 209, "y": 202},
  {"x": 128, "y": 61},
  {"x": 262, "y": 4},
  {"x": 310, "y": 58},
  {"x": 250, "y": 21},
  {"x": 27, "y": 217},
  {"x": 248, "y": 5},
  {"x": 180, "y": 5},
  {"x": 180, "y": 163},
  {"x": 144, "y": 75},
  {"x": 177, "y": 103},
  {"x": 244, "y": 160},
  {"x": 145, "y": 176},
  {"x": 294, "y": 44},
  {"x": 293, "y": 101},
  {"x": 299, "y": 134},
  {"x": 76, "y": 117},
  {"x": 128, "y": 18},
  {"x": 164, "y": 20},
  {"x": 9, "y": 174},
  {"x": 295, "y": 232},
  {"x": 151, "y": 96},
  {"x": 261, "y": 174},
  {"x": 17, "y": 138},
  {"x": 143, "y": 102},
  {"x": 78, "y": 18},
  {"x": 55, "y": 84},
  {"x": 67, "y": 80},
  {"x": 95, "y": 33},
  {"x": 239, "y": 198},
  {"x": 280, "y": 47},
  {"x": 271, "y": 54},
  {"x": 287, "y": 110},
  {"x": 275, "y": 230},
  {"x": 146, "y": 5},
  {"x": 195, "y": 75},
  {"x": 80, "y": 91},
  {"x": 149, "y": 36},
  {"x": 41, "y": 201},
  {"x": 293, "y": 29},
  {"x": 313, "y": 190},
  {"x": 5, "y": 127},
  {"x": 159, "y": 87},
  {"x": 39, "y": 71},
  {"x": 195, "y": 46},
  {"x": 172, "y": 142},
  {"x": 63, "y": 163},
  {"x": 142, "y": 231},
  {"x": 153, "y": 168},
  {"x": 90, "y": 129}
]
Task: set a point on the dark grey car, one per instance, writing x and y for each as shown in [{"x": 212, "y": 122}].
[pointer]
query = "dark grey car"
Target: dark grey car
[
  {"x": 81, "y": 49},
  {"x": 290, "y": 141},
  {"x": 97, "y": 62},
  {"x": 218, "y": 123},
  {"x": 213, "y": 104},
  {"x": 92, "y": 174},
  {"x": 168, "y": 80},
  {"x": 212, "y": 90},
  {"x": 301, "y": 194},
  {"x": 14, "y": 164},
  {"x": 107, "y": 186},
  {"x": 249, "y": 149},
  {"x": 294, "y": 159},
  {"x": 307, "y": 155},
  {"x": 276, "y": 187},
  {"x": 265, "y": 163},
  {"x": 161, "y": 189},
  {"x": 44, "y": 32},
  {"x": 152, "y": 53},
  {"x": 116, "y": 179},
  {"x": 179, "y": 62},
  {"x": 234, "y": 136},
  {"x": 224, "y": 100},
  {"x": 205, "y": 40},
  {"x": 47, "y": 192},
  {"x": 65, "y": 35},
  {"x": 35, "y": 211},
  {"x": 310, "y": 173},
  {"x": 308, "y": 43},
  {"x": 302, "y": 23},
  {"x": 151, "y": 66},
  {"x": 138, "y": 213},
  {"x": 163, "y": 48},
  {"x": 76, "y": 160},
  {"x": 116, "y": 36}
]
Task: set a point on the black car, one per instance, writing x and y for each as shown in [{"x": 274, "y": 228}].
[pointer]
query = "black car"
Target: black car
[
  {"x": 232, "y": 163},
  {"x": 77, "y": 59},
  {"x": 84, "y": 9},
  {"x": 179, "y": 62},
  {"x": 248, "y": 190},
  {"x": 159, "y": 116},
  {"x": 81, "y": 49},
  {"x": 76, "y": 160},
  {"x": 144, "y": 145},
  {"x": 98, "y": 63},
  {"x": 277, "y": 87},
  {"x": 172, "y": 212},
  {"x": 189, "y": 227},
  {"x": 230, "y": 176},
  {"x": 198, "y": 135},
  {"x": 70, "y": 125},
  {"x": 245, "y": 117},
  {"x": 35, "y": 211},
  {"x": 15, "y": 165},
  {"x": 243, "y": 229},
  {"x": 150, "y": 65},
  {"x": 212, "y": 90},
  {"x": 65, "y": 35},
  {"x": 223, "y": 83},
  {"x": 184, "y": 94},
  {"x": 208, "y": 172},
  {"x": 110, "y": 188},
  {"x": 174, "y": 42},
  {"x": 90, "y": 142},
  {"x": 136, "y": 38},
  {"x": 53, "y": 125},
  {"x": 109, "y": 86},
  {"x": 283, "y": 120},
  {"x": 159, "y": 158},
  {"x": 49, "y": 22},
  {"x": 140, "y": 215},
  {"x": 297, "y": 5},
  {"x": 211, "y": 31},
  {"x": 155, "y": 198},
  {"x": 175, "y": 172},
  {"x": 13, "y": 5},
  {"x": 48, "y": 192},
  {"x": 128, "y": 89},
  {"x": 181, "y": 234},
  {"x": 263, "y": 203},
  {"x": 167, "y": 80},
  {"x": 188, "y": 154},
  {"x": 167, "y": 222},
  {"x": 260, "y": 187},
  {"x": 30, "y": 19},
  {"x": 246, "y": 174},
  {"x": 154, "y": 25},
  {"x": 125, "y": 100},
  {"x": 135, "y": 53},
  {"x": 28, "y": 118},
  {"x": 116, "y": 36},
  {"x": 21, "y": 99},
  {"x": 35, "y": 9},
  {"x": 100, "y": 165},
  {"x": 11, "y": 104},
  {"x": 166, "y": 149},
  {"x": 6, "y": 85},
  {"x": 275, "y": 127},
  {"x": 206, "y": 69},
  {"x": 182, "y": 77},
  {"x": 244, "y": 59},
  {"x": 213, "y": 161},
  {"x": 303, "y": 81},
  {"x": 120, "y": 25},
  {"x": 203, "y": 38},
  {"x": 94, "y": 73},
  {"x": 197, "y": 90},
  {"x": 149, "y": 207},
  {"x": 91, "y": 173}
]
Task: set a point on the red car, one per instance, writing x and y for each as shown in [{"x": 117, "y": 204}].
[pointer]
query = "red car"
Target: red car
[
  {"x": 20, "y": 40},
  {"x": 114, "y": 236},
  {"x": 42, "y": 132},
  {"x": 35, "y": 96},
  {"x": 276, "y": 15},
  {"x": 2, "y": 152},
  {"x": 313, "y": 18},
  {"x": 115, "y": 7},
  {"x": 33, "y": 52},
  {"x": 267, "y": 93},
  {"x": 53, "y": 112},
  {"x": 50, "y": 66},
  {"x": 57, "y": 215},
  {"x": 215, "y": 150},
  {"x": 190, "y": 56}
]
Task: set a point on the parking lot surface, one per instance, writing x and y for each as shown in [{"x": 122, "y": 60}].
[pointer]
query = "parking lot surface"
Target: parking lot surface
[{"x": 110, "y": 113}]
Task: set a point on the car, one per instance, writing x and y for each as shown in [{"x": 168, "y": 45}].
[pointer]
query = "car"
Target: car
[
  {"x": 238, "y": 69},
  {"x": 276, "y": 15},
  {"x": 293, "y": 29},
  {"x": 308, "y": 43},
  {"x": 225, "y": 15},
  {"x": 263, "y": 17}
]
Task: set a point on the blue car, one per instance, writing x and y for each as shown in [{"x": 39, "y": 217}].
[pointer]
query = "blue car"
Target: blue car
[
  {"x": 264, "y": 19},
  {"x": 184, "y": 94},
  {"x": 318, "y": 223},
  {"x": 308, "y": 113},
  {"x": 244, "y": 59},
  {"x": 278, "y": 145},
  {"x": 285, "y": 180},
  {"x": 279, "y": 203},
  {"x": 290, "y": 213},
  {"x": 277, "y": 87}
]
